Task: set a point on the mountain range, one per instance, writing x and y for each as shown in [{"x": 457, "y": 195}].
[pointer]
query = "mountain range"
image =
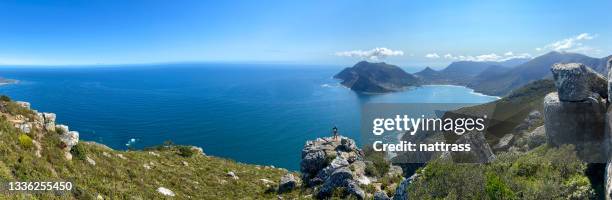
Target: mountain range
[{"x": 500, "y": 78}]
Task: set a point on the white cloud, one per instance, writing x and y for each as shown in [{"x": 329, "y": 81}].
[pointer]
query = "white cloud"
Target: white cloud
[
  {"x": 481, "y": 58},
  {"x": 572, "y": 44},
  {"x": 372, "y": 54},
  {"x": 432, "y": 55}
]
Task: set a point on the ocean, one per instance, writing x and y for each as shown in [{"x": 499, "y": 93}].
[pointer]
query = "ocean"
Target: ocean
[{"x": 251, "y": 113}]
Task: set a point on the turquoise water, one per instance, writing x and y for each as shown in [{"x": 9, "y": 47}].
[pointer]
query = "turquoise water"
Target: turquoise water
[{"x": 250, "y": 113}]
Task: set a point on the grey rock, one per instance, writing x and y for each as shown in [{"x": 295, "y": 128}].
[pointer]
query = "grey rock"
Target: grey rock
[
  {"x": 338, "y": 178},
  {"x": 504, "y": 142},
  {"x": 199, "y": 150},
  {"x": 25, "y": 127},
  {"x": 287, "y": 183},
  {"x": 49, "y": 117},
  {"x": 69, "y": 139},
  {"x": 313, "y": 162},
  {"x": 23, "y": 104},
  {"x": 579, "y": 123},
  {"x": 354, "y": 190},
  {"x": 316, "y": 165},
  {"x": 576, "y": 82},
  {"x": 480, "y": 150},
  {"x": 61, "y": 128},
  {"x": 380, "y": 195},
  {"x": 536, "y": 137},
  {"x": 50, "y": 126},
  {"x": 339, "y": 162},
  {"x": 346, "y": 144},
  {"x": 528, "y": 122},
  {"x": 232, "y": 175}
]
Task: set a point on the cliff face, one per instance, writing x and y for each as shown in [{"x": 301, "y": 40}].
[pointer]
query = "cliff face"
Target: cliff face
[{"x": 376, "y": 78}]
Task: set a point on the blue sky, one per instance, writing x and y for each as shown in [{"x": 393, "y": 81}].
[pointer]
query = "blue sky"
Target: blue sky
[{"x": 407, "y": 33}]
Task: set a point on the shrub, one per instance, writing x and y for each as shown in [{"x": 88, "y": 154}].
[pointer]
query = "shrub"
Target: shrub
[
  {"x": 25, "y": 141},
  {"x": 329, "y": 159},
  {"x": 79, "y": 151},
  {"x": 378, "y": 165},
  {"x": 4, "y": 98},
  {"x": 497, "y": 189},
  {"x": 185, "y": 151}
]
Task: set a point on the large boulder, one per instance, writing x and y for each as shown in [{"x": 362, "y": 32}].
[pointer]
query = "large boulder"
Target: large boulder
[
  {"x": 69, "y": 139},
  {"x": 354, "y": 190},
  {"x": 338, "y": 178},
  {"x": 313, "y": 162},
  {"x": 581, "y": 123},
  {"x": 576, "y": 82},
  {"x": 380, "y": 195},
  {"x": 287, "y": 183},
  {"x": 480, "y": 150}
]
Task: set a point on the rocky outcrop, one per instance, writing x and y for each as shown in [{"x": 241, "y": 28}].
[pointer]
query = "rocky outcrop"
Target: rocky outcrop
[
  {"x": 576, "y": 82},
  {"x": 328, "y": 164},
  {"x": 480, "y": 153},
  {"x": 329, "y": 153},
  {"x": 41, "y": 123},
  {"x": 576, "y": 113},
  {"x": 287, "y": 183},
  {"x": 376, "y": 78},
  {"x": 326, "y": 160}
]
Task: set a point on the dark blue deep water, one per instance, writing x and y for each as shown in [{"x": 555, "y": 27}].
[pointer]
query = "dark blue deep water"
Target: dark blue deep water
[{"x": 250, "y": 113}]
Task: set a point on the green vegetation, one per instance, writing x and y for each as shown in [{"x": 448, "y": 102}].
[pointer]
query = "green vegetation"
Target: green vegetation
[
  {"x": 497, "y": 189},
  {"x": 376, "y": 163},
  {"x": 79, "y": 151},
  {"x": 185, "y": 151},
  {"x": 25, "y": 141},
  {"x": 544, "y": 173},
  {"x": 5, "y": 98}
]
